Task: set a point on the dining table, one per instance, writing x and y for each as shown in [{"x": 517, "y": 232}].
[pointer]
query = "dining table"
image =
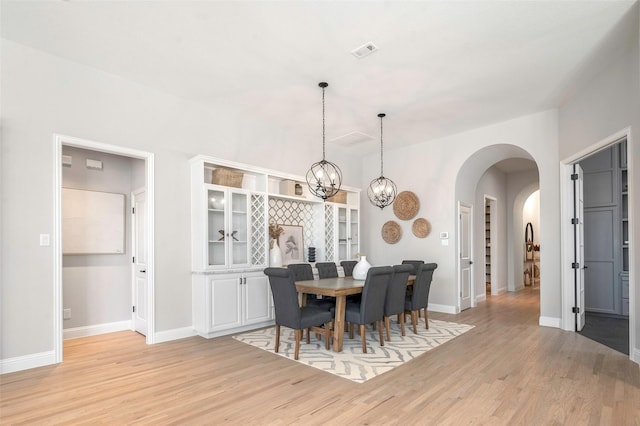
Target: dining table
[{"x": 340, "y": 288}]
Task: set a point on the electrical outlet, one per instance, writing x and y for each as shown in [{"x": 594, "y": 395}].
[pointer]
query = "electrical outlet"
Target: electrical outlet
[{"x": 66, "y": 313}]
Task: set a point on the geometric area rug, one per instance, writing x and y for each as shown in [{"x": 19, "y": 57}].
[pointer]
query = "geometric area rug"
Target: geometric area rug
[{"x": 351, "y": 363}]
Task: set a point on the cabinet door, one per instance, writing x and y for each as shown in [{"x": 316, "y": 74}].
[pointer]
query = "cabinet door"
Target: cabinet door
[
  {"x": 216, "y": 227},
  {"x": 238, "y": 235},
  {"x": 257, "y": 298},
  {"x": 354, "y": 233},
  {"x": 342, "y": 233},
  {"x": 226, "y": 302}
]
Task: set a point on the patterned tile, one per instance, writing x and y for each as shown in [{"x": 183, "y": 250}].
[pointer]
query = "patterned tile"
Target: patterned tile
[{"x": 351, "y": 363}]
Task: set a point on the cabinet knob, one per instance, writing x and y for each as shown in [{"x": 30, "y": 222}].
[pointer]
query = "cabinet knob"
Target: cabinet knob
[{"x": 143, "y": 271}]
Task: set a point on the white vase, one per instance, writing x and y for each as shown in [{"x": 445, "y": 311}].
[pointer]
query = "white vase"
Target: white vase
[
  {"x": 275, "y": 254},
  {"x": 361, "y": 269}
]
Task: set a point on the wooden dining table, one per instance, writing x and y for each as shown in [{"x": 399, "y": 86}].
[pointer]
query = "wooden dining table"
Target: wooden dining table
[{"x": 339, "y": 288}]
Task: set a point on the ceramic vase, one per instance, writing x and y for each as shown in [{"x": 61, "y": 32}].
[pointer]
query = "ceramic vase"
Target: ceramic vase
[
  {"x": 361, "y": 269},
  {"x": 275, "y": 254}
]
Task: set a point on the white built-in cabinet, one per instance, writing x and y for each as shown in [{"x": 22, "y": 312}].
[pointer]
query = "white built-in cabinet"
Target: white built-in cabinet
[{"x": 230, "y": 238}]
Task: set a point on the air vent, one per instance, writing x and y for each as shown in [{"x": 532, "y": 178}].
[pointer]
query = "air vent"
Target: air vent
[
  {"x": 364, "y": 50},
  {"x": 352, "y": 138}
]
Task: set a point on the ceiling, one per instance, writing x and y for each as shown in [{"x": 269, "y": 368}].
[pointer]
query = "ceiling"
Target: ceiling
[{"x": 442, "y": 67}]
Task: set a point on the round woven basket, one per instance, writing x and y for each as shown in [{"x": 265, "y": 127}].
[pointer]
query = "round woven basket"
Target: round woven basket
[
  {"x": 421, "y": 227},
  {"x": 391, "y": 232},
  {"x": 406, "y": 205}
]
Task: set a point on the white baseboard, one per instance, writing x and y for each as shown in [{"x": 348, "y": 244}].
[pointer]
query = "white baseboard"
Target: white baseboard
[
  {"x": 550, "y": 322},
  {"x": 94, "y": 330},
  {"x": 635, "y": 355},
  {"x": 445, "y": 309},
  {"x": 481, "y": 298},
  {"x": 26, "y": 362},
  {"x": 174, "y": 334}
]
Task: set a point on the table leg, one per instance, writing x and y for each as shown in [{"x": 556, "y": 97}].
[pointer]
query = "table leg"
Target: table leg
[{"x": 338, "y": 323}]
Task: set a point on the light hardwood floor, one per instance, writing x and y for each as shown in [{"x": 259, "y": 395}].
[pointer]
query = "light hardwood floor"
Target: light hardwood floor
[{"x": 507, "y": 370}]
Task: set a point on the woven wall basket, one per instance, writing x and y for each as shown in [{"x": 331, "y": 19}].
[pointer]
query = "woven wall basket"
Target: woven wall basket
[
  {"x": 406, "y": 205},
  {"x": 391, "y": 232},
  {"x": 421, "y": 228}
]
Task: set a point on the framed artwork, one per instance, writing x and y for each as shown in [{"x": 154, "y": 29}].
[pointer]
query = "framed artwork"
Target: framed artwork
[{"x": 292, "y": 244}]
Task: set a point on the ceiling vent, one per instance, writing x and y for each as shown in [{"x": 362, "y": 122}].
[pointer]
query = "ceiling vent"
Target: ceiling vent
[
  {"x": 352, "y": 138},
  {"x": 364, "y": 50}
]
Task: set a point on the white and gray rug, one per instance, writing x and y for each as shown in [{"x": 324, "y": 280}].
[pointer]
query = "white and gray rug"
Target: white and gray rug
[{"x": 351, "y": 363}]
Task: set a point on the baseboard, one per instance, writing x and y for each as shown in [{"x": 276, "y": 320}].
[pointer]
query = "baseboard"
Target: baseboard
[
  {"x": 26, "y": 362},
  {"x": 481, "y": 298},
  {"x": 550, "y": 322},
  {"x": 635, "y": 356},
  {"x": 174, "y": 334},
  {"x": 94, "y": 330},
  {"x": 445, "y": 309}
]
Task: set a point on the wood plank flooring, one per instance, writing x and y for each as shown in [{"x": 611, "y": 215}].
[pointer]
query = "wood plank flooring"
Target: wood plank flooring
[{"x": 507, "y": 370}]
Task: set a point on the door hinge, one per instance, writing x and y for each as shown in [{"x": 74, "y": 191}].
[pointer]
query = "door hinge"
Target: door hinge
[
  {"x": 134, "y": 309},
  {"x": 575, "y": 265},
  {"x": 574, "y": 176},
  {"x": 133, "y": 210},
  {"x": 575, "y": 310},
  {"x": 574, "y": 221},
  {"x": 133, "y": 259}
]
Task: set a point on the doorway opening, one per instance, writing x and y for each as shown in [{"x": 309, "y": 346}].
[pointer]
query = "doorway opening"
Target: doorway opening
[
  {"x": 531, "y": 225},
  {"x": 490, "y": 245},
  {"x": 95, "y": 283}
]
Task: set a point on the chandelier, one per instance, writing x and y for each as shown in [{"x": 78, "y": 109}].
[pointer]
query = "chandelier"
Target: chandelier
[
  {"x": 324, "y": 178},
  {"x": 382, "y": 191}
]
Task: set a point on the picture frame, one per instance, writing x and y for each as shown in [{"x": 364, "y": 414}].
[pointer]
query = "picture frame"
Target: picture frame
[{"x": 291, "y": 244}]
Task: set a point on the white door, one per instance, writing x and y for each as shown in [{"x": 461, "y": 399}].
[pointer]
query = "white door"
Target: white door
[
  {"x": 140, "y": 282},
  {"x": 464, "y": 244},
  {"x": 578, "y": 232}
]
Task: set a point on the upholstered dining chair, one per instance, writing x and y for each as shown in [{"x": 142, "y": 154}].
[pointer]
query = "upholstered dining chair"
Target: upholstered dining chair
[
  {"x": 419, "y": 298},
  {"x": 370, "y": 309},
  {"x": 395, "y": 297},
  {"x": 414, "y": 263},
  {"x": 290, "y": 314},
  {"x": 347, "y": 266},
  {"x": 327, "y": 270},
  {"x": 302, "y": 272}
]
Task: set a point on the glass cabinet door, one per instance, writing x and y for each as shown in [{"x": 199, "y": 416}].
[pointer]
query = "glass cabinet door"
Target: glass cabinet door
[
  {"x": 239, "y": 230},
  {"x": 343, "y": 236},
  {"x": 216, "y": 227},
  {"x": 354, "y": 238}
]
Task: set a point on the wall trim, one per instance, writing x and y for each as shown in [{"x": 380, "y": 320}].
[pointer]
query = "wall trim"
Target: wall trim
[
  {"x": 94, "y": 330},
  {"x": 174, "y": 334},
  {"x": 445, "y": 309},
  {"x": 19, "y": 363},
  {"x": 550, "y": 322},
  {"x": 635, "y": 356}
]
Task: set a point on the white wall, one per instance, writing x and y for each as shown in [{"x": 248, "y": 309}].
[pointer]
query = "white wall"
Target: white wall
[
  {"x": 97, "y": 288},
  {"x": 43, "y": 95},
  {"x": 431, "y": 170},
  {"x": 604, "y": 106}
]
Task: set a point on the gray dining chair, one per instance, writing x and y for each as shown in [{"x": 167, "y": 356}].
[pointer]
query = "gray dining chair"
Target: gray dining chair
[
  {"x": 395, "y": 298},
  {"x": 419, "y": 298},
  {"x": 303, "y": 272},
  {"x": 414, "y": 263},
  {"x": 290, "y": 314},
  {"x": 327, "y": 270},
  {"x": 370, "y": 309},
  {"x": 347, "y": 266}
]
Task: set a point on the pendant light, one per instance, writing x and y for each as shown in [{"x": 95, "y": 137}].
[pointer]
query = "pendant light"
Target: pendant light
[
  {"x": 382, "y": 191},
  {"x": 324, "y": 178}
]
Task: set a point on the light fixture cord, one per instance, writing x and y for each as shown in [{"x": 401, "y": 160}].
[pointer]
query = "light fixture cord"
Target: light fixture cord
[
  {"x": 323, "y": 150},
  {"x": 381, "y": 161}
]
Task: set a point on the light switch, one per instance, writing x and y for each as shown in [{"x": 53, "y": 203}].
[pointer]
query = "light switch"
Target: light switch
[{"x": 45, "y": 240}]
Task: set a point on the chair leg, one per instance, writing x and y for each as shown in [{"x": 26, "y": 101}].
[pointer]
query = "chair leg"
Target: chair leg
[
  {"x": 277, "y": 338},
  {"x": 308, "y": 335},
  {"x": 414, "y": 321},
  {"x": 327, "y": 335},
  {"x": 298, "y": 338},
  {"x": 350, "y": 330},
  {"x": 381, "y": 336},
  {"x": 387, "y": 326},
  {"x": 426, "y": 319},
  {"x": 401, "y": 321},
  {"x": 363, "y": 337}
]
